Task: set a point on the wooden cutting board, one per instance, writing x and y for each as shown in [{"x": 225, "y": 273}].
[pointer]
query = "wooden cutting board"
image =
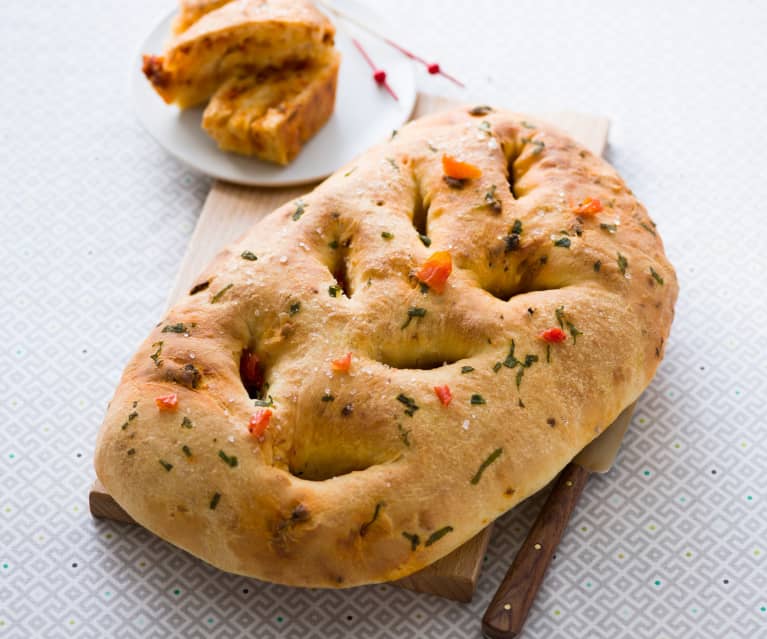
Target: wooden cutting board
[{"x": 228, "y": 212}]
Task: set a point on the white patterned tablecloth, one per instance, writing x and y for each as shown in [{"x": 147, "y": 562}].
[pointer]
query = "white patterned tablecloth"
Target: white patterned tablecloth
[{"x": 94, "y": 221}]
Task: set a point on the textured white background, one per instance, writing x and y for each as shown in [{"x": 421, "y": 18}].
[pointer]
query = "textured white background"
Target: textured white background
[{"x": 95, "y": 218}]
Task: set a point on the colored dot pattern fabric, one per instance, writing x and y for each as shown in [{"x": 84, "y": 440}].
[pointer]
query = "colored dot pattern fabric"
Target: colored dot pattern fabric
[{"x": 95, "y": 219}]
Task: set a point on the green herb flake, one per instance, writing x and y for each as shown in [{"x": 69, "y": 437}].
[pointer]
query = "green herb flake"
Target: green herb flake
[
  {"x": 610, "y": 228},
  {"x": 350, "y": 171},
  {"x": 386, "y": 235},
  {"x": 248, "y": 255},
  {"x": 527, "y": 125},
  {"x": 155, "y": 357},
  {"x": 364, "y": 528},
  {"x": 477, "y": 399},
  {"x": 231, "y": 460},
  {"x": 131, "y": 451},
  {"x": 520, "y": 375},
  {"x": 132, "y": 416},
  {"x": 481, "y": 109},
  {"x": 214, "y": 500},
  {"x": 485, "y": 126},
  {"x": 327, "y": 397},
  {"x": 454, "y": 183},
  {"x": 437, "y": 535},
  {"x": 483, "y": 466},
  {"x": 393, "y": 163},
  {"x": 300, "y": 209},
  {"x": 497, "y": 366},
  {"x": 220, "y": 294},
  {"x": 538, "y": 144},
  {"x": 266, "y": 403},
  {"x": 623, "y": 264},
  {"x": 654, "y": 274},
  {"x": 491, "y": 199},
  {"x": 466, "y": 369},
  {"x": 294, "y": 308},
  {"x": 413, "y": 311},
  {"x": 404, "y": 435},
  {"x": 597, "y": 266},
  {"x": 516, "y": 228},
  {"x": 560, "y": 313},
  {"x": 333, "y": 245},
  {"x": 166, "y": 465},
  {"x": 334, "y": 290},
  {"x": 548, "y": 353},
  {"x": 647, "y": 228},
  {"x": 413, "y": 538},
  {"x": 574, "y": 332},
  {"x": 393, "y": 134},
  {"x": 186, "y": 450},
  {"x": 186, "y": 422},
  {"x": 563, "y": 242},
  {"x": 174, "y": 328},
  {"x": 410, "y": 406}
]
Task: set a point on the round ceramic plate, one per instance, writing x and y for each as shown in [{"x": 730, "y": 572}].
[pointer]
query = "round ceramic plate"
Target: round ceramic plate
[{"x": 364, "y": 114}]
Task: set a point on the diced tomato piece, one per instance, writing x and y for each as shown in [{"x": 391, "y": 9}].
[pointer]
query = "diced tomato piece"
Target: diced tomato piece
[
  {"x": 250, "y": 371},
  {"x": 167, "y": 402},
  {"x": 343, "y": 364},
  {"x": 553, "y": 335},
  {"x": 259, "y": 421},
  {"x": 436, "y": 270},
  {"x": 444, "y": 394},
  {"x": 589, "y": 206},
  {"x": 458, "y": 170}
]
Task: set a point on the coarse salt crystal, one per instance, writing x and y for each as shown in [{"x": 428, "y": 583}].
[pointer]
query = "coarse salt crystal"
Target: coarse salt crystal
[
  {"x": 492, "y": 144},
  {"x": 192, "y": 355},
  {"x": 284, "y": 259},
  {"x": 230, "y": 439},
  {"x": 465, "y": 424}
]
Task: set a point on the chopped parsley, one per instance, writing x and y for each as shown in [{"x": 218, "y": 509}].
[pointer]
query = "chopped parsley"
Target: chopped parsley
[
  {"x": 647, "y": 228},
  {"x": 334, "y": 290},
  {"x": 497, "y": 366},
  {"x": 574, "y": 332},
  {"x": 437, "y": 535},
  {"x": 132, "y": 416},
  {"x": 267, "y": 403},
  {"x": 393, "y": 163},
  {"x": 350, "y": 171},
  {"x": 491, "y": 199},
  {"x": 404, "y": 435},
  {"x": 410, "y": 406},
  {"x": 413, "y": 311},
  {"x": 248, "y": 255},
  {"x": 560, "y": 313},
  {"x": 453, "y": 183},
  {"x": 333, "y": 245},
  {"x": 220, "y": 294},
  {"x": 174, "y": 328},
  {"x": 623, "y": 264},
  {"x": 186, "y": 422},
  {"x": 425, "y": 239},
  {"x": 482, "y": 109},
  {"x": 231, "y": 460},
  {"x": 485, "y": 126},
  {"x": 483, "y": 466},
  {"x": 155, "y": 357},
  {"x": 466, "y": 369},
  {"x": 368, "y": 524},
  {"x": 131, "y": 451},
  {"x": 300, "y": 208},
  {"x": 564, "y": 242},
  {"x": 597, "y": 266},
  {"x": 294, "y": 308},
  {"x": 386, "y": 235},
  {"x": 328, "y": 397},
  {"x": 477, "y": 399},
  {"x": 654, "y": 274},
  {"x": 166, "y": 465},
  {"x": 610, "y": 228},
  {"x": 413, "y": 538},
  {"x": 186, "y": 450},
  {"x": 511, "y": 243},
  {"x": 516, "y": 228},
  {"x": 214, "y": 500}
]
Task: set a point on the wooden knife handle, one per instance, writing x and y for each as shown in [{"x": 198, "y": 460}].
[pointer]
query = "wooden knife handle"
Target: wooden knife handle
[{"x": 508, "y": 610}]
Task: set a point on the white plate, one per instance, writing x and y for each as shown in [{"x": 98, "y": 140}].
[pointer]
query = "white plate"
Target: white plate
[{"x": 364, "y": 115}]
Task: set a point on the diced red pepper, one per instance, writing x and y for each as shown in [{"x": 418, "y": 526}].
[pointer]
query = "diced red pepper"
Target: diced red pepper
[
  {"x": 458, "y": 170},
  {"x": 167, "y": 402},
  {"x": 589, "y": 206},
  {"x": 553, "y": 335},
  {"x": 259, "y": 421},
  {"x": 444, "y": 394},
  {"x": 343, "y": 364},
  {"x": 436, "y": 270}
]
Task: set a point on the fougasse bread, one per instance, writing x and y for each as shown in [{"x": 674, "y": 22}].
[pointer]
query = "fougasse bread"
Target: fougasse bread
[
  {"x": 226, "y": 38},
  {"x": 272, "y": 115},
  {"x": 379, "y": 369}
]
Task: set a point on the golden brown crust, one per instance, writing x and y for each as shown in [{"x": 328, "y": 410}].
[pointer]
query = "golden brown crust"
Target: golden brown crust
[
  {"x": 272, "y": 115},
  {"x": 384, "y": 479},
  {"x": 242, "y": 34},
  {"x": 190, "y": 11}
]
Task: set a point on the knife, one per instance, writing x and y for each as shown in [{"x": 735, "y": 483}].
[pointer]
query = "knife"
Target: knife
[{"x": 508, "y": 610}]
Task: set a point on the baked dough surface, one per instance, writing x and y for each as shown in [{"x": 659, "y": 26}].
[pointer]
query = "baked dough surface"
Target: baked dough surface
[{"x": 365, "y": 475}]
